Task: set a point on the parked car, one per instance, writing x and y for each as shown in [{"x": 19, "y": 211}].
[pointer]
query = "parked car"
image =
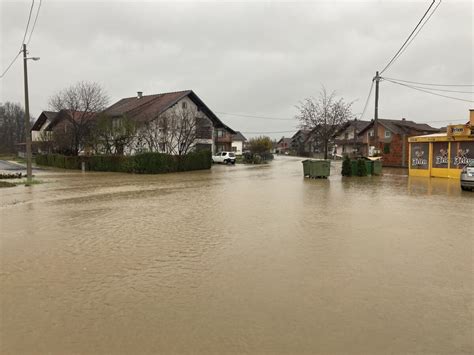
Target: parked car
[
  {"x": 224, "y": 157},
  {"x": 467, "y": 176}
]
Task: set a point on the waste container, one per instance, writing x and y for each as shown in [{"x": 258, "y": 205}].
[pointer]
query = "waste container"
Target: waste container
[
  {"x": 316, "y": 168},
  {"x": 376, "y": 167},
  {"x": 306, "y": 167},
  {"x": 369, "y": 167}
]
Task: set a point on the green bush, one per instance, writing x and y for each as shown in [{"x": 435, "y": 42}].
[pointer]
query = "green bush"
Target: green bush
[
  {"x": 155, "y": 163},
  {"x": 117, "y": 163},
  {"x": 361, "y": 168},
  {"x": 346, "y": 166},
  {"x": 144, "y": 163}
]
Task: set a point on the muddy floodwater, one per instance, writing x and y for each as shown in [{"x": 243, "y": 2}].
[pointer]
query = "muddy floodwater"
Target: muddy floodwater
[{"x": 238, "y": 259}]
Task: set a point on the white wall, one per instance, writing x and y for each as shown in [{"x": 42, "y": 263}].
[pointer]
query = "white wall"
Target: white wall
[{"x": 238, "y": 147}]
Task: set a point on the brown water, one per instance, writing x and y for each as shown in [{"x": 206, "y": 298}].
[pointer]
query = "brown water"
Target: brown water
[{"x": 239, "y": 259}]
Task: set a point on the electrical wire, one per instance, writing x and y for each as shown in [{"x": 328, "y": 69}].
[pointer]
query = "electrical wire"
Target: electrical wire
[
  {"x": 419, "y": 30},
  {"x": 23, "y": 41},
  {"x": 34, "y": 23},
  {"x": 28, "y": 23},
  {"x": 428, "y": 84},
  {"x": 429, "y": 92},
  {"x": 10, "y": 65},
  {"x": 435, "y": 89},
  {"x": 252, "y": 116},
  {"x": 406, "y": 41},
  {"x": 366, "y": 101},
  {"x": 270, "y": 132}
]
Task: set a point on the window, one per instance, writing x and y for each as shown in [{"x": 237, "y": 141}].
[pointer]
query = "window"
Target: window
[
  {"x": 220, "y": 133},
  {"x": 161, "y": 146},
  {"x": 184, "y": 105},
  {"x": 346, "y": 135},
  {"x": 388, "y": 134},
  {"x": 371, "y": 133}
]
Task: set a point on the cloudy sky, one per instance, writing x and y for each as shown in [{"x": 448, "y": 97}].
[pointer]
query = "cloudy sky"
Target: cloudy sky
[{"x": 254, "y": 58}]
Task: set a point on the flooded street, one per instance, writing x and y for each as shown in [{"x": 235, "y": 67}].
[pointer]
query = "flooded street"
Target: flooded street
[{"x": 238, "y": 259}]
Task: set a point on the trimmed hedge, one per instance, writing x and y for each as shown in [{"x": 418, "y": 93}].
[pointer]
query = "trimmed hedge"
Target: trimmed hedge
[{"x": 144, "y": 163}]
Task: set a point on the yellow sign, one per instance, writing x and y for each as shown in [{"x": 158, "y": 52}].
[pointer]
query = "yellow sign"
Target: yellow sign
[{"x": 459, "y": 130}]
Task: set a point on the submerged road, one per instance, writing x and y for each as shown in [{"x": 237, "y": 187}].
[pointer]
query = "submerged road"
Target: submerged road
[{"x": 238, "y": 259}]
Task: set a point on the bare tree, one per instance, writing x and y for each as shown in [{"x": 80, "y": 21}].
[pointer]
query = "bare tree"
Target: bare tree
[
  {"x": 323, "y": 116},
  {"x": 112, "y": 135},
  {"x": 80, "y": 102},
  {"x": 12, "y": 126},
  {"x": 173, "y": 132}
]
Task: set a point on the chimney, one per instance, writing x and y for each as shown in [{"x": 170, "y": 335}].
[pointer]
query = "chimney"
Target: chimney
[
  {"x": 139, "y": 94},
  {"x": 404, "y": 119}
]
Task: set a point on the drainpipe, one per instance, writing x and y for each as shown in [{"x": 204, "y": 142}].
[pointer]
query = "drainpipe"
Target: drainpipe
[{"x": 403, "y": 151}]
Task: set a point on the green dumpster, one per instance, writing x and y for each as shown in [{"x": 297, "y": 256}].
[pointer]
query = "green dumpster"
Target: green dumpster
[
  {"x": 316, "y": 168},
  {"x": 376, "y": 167},
  {"x": 306, "y": 167},
  {"x": 369, "y": 167}
]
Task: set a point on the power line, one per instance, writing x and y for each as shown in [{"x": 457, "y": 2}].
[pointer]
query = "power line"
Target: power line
[
  {"x": 252, "y": 116},
  {"x": 429, "y": 92},
  {"x": 34, "y": 23},
  {"x": 23, "y": 41},
  {"x": 408, "y": 38},
  {"x": 435, "y": 89},
  {"x": 419, "y": 30},
  {"x": 269, "y": 132},
  {"x": 28, "y": 23},
  {"x": 10, "y": 65},
  {"x": 367, "y": 101},
  {"x": 428, "y": 84}
]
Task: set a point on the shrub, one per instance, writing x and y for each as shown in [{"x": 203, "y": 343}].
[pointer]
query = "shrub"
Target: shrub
[
  {"x": 118, "y": 163},
  {"x": 143, "y": 163},
  {"x": 155, "y": 163},
  {"x": 346, "y": 167}
]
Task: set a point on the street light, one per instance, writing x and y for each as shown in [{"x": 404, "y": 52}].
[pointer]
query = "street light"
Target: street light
[{"x": 27, "y": 117}]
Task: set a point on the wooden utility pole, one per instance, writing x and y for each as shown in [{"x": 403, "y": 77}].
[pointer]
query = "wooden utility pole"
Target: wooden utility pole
[
  {"x": 27, "y": 120},
  {"x": 376, "y": 112}
]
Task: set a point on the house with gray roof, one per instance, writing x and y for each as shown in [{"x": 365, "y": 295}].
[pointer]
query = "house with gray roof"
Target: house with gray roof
[
  {"x": 391, "y": 139},
  {"x": 211, "y": 132}
]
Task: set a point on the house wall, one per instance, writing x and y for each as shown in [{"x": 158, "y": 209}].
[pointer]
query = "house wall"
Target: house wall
[
  {"x": 36, "y": 136},
  {"x": 237, "y": 147},
  {"x": 204, "y": 139}
]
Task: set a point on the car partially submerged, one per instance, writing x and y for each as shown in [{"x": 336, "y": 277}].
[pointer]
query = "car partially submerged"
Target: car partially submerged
[
  {"x": 467, "y": 176},
  {"x": 224, "y": 157}
]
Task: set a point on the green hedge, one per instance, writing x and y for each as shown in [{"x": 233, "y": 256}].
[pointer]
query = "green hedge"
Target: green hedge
[
  {"x": 144, "y": 163},
  {"x": 59, "y": 161}
]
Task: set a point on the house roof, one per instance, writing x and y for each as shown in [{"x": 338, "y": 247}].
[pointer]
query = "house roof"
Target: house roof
[
  {"x": 402, "y": 126},
  {"x": 301, "y": 132},
  {"x": 150, "y": 106},
  {"x": 239, "y": 137},
  {"x": 358, "y": 124},
  {"x": 284, "y": 140},
  {"x": 45, "y": 115}
]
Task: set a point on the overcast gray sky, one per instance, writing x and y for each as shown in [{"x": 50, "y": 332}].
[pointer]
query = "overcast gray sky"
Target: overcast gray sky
[{"x": 254, "y": 58}]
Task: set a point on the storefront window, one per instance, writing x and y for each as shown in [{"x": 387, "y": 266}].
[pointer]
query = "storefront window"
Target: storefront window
[
  {"x": 440, "y": 155},
  {"x": 419, "y": 156},
  {"x": 461, "y": 154}
]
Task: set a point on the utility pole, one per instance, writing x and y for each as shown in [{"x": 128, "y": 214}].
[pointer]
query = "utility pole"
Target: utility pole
[
  {"x": 376, "y": 112},
  {"x": 27, "y": 120}
]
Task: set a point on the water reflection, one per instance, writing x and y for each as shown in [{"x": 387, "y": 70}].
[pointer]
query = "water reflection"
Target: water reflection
[{"x": 242, "y": 259}]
